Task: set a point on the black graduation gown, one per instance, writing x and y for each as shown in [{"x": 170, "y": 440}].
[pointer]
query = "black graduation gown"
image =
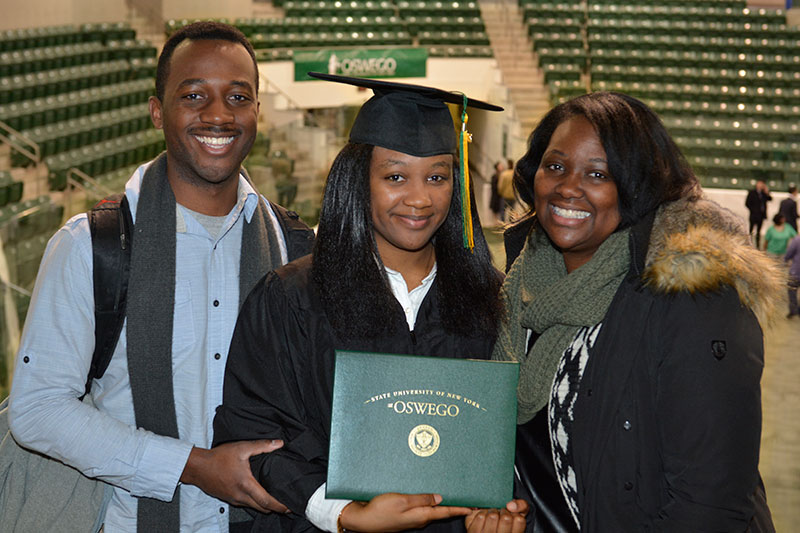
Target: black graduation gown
[{"x": 279, "y": 379}]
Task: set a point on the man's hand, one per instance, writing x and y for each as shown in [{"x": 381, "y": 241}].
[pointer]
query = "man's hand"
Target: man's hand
[
  {"x": 397, "y": 512},
  {"x": 508, "y": 520},
  {"x": 224, "y": 472}
]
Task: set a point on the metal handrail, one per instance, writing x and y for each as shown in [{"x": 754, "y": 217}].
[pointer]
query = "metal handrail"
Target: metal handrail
[
  {"x": 266, "y": 82},
  {"x": 15, "y": 287},
  {"x": 10, "y": 138},
  {"x": 96, "y": 191},
  {"x": 85, "y": 178},
  {"x": 480, "y": 163}
]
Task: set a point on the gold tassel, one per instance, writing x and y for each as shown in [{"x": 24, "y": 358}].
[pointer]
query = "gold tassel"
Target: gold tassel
[{"x": 466, "y": 206}]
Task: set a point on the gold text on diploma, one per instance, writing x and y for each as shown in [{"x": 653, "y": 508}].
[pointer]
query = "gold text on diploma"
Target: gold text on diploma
[{"x": 424, "y": 408}]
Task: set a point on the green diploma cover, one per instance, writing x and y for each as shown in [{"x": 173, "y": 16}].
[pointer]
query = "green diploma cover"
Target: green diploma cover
[{"x": 413, "y": 424}]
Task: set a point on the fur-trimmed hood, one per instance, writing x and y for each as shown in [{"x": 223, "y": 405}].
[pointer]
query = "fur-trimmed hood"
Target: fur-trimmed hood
[{"x": 698, "y": 246}]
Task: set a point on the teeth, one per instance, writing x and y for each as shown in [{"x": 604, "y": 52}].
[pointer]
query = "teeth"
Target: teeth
[
  {"x": 570, "y": 213},
  {"x": 215, "y": 141}
]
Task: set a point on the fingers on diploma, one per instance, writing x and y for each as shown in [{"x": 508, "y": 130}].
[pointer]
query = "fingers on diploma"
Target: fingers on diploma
[
  {"x": 430, "y": 502},
  {"x": 421, "y": 500},
  {"x": 518, "y": 506},
  {"x": 495, "y": 521}
]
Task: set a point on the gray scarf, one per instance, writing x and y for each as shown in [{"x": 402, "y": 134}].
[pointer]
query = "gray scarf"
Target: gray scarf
[
  {"x": 151, "y": 301},
  {"x": 539, "y": 295}
]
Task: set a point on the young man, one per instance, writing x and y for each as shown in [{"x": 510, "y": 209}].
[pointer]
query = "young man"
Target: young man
[
  {"x": 756, "y": 203},
  {"x": 202, "y": 237}
]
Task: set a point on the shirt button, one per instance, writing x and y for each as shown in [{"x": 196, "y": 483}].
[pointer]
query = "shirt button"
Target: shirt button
[
  {"x": 221, "y": 510},
  {"x": 626, "y": 425},
  {"x": 216, "y": 303},
  {"x": 217, "y": 356},
  {"x": 26, "y": 359},
  {"x": 628, "y": 485}
]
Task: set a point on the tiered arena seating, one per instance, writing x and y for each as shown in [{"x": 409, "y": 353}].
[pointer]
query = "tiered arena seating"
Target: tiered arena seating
[
  {"x": 77, "y": 92},
  {"x": 556, "y": 32},
  {"x": 10, "y": 190},
  {"x": 76, "y": 96},
  {"x": 446, "y": 28},
  {"x": 25, "y": 228},
  {"x": 724, "y": 78},
  {"x": 450, "y": 29}
]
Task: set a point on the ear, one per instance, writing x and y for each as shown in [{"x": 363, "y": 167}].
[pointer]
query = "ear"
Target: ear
[{"x": 155, "y": 112}]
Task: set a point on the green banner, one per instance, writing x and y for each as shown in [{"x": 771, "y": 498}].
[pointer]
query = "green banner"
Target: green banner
[{"x": 373, "y": 63}]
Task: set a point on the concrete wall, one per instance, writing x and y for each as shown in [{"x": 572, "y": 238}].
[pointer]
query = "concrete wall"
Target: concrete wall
[
  {"x": 178, "y": 9},
  {"x": 772, "y": 4},
  {"x": 151, "y": 10},
  {"x": 36, "y": 13}
]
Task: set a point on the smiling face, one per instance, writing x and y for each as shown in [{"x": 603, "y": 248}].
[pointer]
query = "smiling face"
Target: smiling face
[
  {"x": 410, "y": 198},
  {"x": 575, "y": 195},
  {"x": 209, "y": 112}
]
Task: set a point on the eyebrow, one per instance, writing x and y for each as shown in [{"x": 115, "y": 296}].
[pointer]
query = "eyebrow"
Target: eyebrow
[
  {"x": 592, "y": 159},
  {"x": 390, "y": 162},
  {"x": 200, "y": 81}
]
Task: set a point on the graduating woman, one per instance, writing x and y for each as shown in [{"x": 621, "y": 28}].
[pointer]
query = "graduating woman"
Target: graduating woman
[{"x": 389, "y": 273}]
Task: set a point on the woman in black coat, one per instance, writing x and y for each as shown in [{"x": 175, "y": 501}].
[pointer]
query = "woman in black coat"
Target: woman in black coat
[
  {"x": 635, "y": 309},
  {"x": 390, "y": 273}
]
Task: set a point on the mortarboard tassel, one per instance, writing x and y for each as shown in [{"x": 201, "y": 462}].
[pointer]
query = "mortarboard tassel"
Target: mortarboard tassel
[{"x": 466, "y": 208}]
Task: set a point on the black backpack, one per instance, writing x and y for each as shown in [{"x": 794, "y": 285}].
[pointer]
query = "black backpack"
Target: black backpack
[{"x": 111, "y": 227}]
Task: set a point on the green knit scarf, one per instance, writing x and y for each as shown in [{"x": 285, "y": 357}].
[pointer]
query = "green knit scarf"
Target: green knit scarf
[{"x": 539, "y": 295}]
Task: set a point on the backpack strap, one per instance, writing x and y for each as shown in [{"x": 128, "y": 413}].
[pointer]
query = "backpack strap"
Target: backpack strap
[
  {"x": 111, "y": 227},
  {"x": 110, "y": 224},
  {"x": 299, "y": 237}
]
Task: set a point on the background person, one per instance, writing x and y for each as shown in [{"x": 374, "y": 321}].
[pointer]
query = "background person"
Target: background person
[
  {"x": 203, "y": 237},
  {"x": 793, "y": 258},
  {"x": 496, "y": 202},
  {"x": 778, "y": 236},
  {"x": 390, "y": 273},
  {"x": 788, "y": 207},
  {"x": 634, "y": 308},
  {"x": 756, "y": 203},
  {"x": 505, "y": 186}
]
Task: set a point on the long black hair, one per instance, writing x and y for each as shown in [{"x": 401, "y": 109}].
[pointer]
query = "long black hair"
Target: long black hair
[
  {"x": 648, "y": 167},
  {"x": 349, "y": 274}
]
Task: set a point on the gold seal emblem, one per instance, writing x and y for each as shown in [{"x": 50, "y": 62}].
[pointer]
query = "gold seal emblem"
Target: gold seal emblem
[{"x": 423, "y": 440}]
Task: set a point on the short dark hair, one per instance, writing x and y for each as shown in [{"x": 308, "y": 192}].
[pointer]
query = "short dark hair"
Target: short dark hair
[
  {"x": 648, "y": 167},
  {"x": 204, "y": 30},
  {"x": 778, "y": 219},
  {"x": 346, "y": 266},
  {"x": 792, "y": 189}
]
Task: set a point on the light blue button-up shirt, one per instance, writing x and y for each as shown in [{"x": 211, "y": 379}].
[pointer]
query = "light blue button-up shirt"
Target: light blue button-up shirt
[{"x": 56, "y": 351}]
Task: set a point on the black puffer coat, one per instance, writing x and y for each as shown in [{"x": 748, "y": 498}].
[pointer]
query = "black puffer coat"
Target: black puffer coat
[{"x": 667, "y": 424}]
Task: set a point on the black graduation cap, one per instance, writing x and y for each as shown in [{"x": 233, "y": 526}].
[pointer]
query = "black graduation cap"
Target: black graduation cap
[{"x": 411, "y": 119}]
